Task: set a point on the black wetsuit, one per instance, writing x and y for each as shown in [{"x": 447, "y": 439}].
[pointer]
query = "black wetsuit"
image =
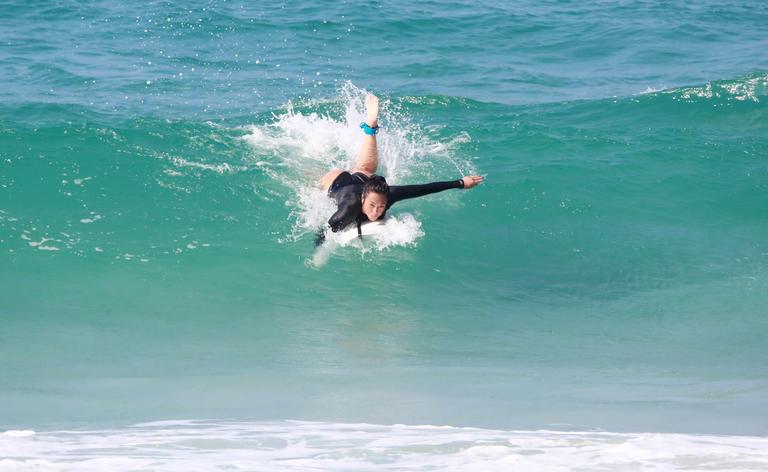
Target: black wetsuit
[{"x": 347, "y": 189}]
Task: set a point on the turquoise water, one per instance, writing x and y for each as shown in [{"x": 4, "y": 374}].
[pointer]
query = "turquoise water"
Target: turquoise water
[{"x": 157, "y": 213}]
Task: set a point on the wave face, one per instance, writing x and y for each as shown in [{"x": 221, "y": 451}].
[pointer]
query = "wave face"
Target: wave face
[{"x": 158, "y": 205}]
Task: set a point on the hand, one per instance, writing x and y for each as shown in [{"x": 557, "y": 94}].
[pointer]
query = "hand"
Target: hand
[{"x": 472, "y": 180}]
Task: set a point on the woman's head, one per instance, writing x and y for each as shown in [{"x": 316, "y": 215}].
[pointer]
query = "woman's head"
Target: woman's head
[{"x": 374, "y": 199}]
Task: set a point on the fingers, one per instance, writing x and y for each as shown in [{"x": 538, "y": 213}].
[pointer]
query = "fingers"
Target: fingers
[{"x": 472, "y": 180}]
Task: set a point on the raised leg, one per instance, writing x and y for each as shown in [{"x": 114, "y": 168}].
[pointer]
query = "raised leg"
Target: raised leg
[{"x": 368, "y": 157}]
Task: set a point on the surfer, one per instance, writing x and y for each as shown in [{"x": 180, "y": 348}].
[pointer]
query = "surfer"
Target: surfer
[{"x": 363, "y": 196}]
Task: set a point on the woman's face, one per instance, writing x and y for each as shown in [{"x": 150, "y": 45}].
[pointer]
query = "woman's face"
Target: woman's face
[{"x": 374, "y": 205}]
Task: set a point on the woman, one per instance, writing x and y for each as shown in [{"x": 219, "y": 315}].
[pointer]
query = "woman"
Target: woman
[{"x": 363, "y": 196}]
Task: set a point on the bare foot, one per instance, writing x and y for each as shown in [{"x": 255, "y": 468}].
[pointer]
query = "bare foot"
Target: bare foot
[{"x": 372, "y": 109}]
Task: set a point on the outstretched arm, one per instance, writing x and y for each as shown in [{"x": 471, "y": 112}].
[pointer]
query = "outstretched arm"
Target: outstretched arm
[{"x": 402, "y": 192}]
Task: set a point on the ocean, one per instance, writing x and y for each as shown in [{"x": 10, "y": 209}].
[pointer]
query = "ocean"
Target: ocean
[{"x": 598, "y": 303}]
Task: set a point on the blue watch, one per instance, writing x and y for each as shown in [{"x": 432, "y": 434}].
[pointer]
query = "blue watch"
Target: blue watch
[{"x": 368, "y": 130}]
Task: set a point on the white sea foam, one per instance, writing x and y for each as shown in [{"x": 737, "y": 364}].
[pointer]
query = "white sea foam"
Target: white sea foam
[
  {"x": 18, "y": 433},
  {"x": 652, "y": 90},
  {"x": 304, "y": 446},
  {"x": 91, "y": 219},
  {"x": 297, "y": 148},
  {"x": 223, "y": 168},
  {"x": 41, "y": 245},
  {"x": 750, "y": 89},
  {"x": 401, "y": 230}
]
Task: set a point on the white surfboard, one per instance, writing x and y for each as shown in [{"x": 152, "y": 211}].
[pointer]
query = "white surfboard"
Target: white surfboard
[{"x": 368, "y": 229}]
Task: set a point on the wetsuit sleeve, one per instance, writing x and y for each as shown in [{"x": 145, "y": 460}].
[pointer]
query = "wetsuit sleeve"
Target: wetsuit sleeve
[
  {"x": 402, "y": 192},
  {"x": 345, "y": 215}
]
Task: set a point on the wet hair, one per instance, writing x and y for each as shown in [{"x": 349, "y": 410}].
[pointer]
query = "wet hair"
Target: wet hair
[{"x": 376, "y": 184}]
